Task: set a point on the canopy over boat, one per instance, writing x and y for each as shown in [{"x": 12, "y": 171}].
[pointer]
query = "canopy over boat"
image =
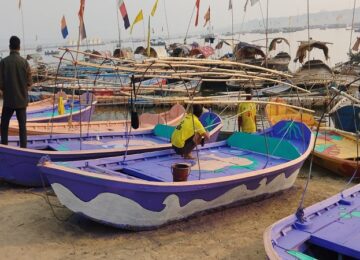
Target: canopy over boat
[
  {"x": 308, "y": 46},
  {"x": 245, "y": 50},
  {"x": 275, "y": 41},
  {"x": 202, "y": 52}
]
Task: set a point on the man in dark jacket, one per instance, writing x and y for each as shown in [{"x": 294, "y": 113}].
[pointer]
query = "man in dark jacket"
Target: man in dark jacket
[{"x": 15, "y": 81}]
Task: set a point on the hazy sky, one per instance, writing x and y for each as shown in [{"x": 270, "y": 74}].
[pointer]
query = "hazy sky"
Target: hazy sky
[{"x": 42, "y": 17}]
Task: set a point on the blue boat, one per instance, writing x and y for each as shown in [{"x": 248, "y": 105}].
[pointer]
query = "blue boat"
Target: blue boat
[
  {"x": 18, "y": 165},
  {"x": 329, "y": 229},
  {"x": 347, "y": 118}
]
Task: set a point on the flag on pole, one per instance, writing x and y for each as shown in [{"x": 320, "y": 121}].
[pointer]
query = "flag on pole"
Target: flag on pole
[
  {"x": 253, "y": 2},
  {"x": 230, "y": 5},
  {"x": 64, "y": 29},
  {"x": 81, "y": 18},
  {"x": 138, "y": 18},
  {"x": 148, "y": 39},
  {"x": 123, "y": 11},
  {"x": 207, "y": 16},
  {"x": 154, "y": 8},
  {"x": 197, "y": 12}
]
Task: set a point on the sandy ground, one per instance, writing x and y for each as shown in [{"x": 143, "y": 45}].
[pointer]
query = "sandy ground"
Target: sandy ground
[{"x": 29, "y": 229}]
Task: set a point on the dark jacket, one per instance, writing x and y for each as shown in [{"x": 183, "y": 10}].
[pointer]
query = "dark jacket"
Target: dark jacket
[{"x": 15, "y": 80}]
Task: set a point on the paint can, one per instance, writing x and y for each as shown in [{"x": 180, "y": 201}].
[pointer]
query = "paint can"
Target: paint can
[{"x": 180, "y": 171}]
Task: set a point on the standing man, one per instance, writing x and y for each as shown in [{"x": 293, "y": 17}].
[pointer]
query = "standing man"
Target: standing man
[
  {"x": 15, "y": 81},
  {"x": 247, "y": 114}
]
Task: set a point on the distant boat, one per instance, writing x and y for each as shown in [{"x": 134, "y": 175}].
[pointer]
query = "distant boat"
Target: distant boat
[
  {"x": 52, "y": 52},
  {"x": 312, "y": 72}
]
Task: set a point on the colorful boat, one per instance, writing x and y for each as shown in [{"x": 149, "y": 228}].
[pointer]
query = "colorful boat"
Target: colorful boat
[
  {"x": 147, "y": 122},
  {"x": 336, "y": 151},
  {"x": 276, "y": 113},
  {"x": 328, "y": 230},
  {"x": 347, "y": 118},
  {"x": 139, "y": 193},
  {"x": 18, "y": 165}
]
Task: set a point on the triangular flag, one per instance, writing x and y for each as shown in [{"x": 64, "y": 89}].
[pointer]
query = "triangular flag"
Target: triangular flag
[
  {"x": 230, "y": 5},
  {"x": 123, "y": 11},
  {"x": 138, "y": 18},
  {"x": 81, "y": 18},
  {"x": 197, "y": 4},
  {"x": 207, "y": 16},
  {"x": 64, "y": 30},
  {"x": 154, "y": 8}
]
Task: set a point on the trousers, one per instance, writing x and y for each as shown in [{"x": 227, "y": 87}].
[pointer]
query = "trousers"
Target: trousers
[{"x": 6, "y": 115}]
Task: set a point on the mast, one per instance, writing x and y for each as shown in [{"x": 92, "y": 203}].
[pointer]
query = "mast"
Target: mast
[
  {"x": 266, "y": 33},
  {"x": 22, "y": 26},
  {"x": 352, "y": 26},
  {"x": 118, "y": 26},
  {"x": 308, "y": 24},
  {"x": 166, "y": 20}
]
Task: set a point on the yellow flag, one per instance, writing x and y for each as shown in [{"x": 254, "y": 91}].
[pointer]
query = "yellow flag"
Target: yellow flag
[
  {"x": 154, "y": 8},
  {"x": 138, "y": 18},
  {"x": 61, "y": 108},
  {"x": 148, "y": 39}
]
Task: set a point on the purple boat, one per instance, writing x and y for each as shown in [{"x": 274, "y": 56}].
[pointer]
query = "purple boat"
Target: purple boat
[
  {"x": 78, "y": 110},
  {"x": 139, "y": 192},
  {"x": 18, "y": 165},
  {"x": 328, "y": 230}
]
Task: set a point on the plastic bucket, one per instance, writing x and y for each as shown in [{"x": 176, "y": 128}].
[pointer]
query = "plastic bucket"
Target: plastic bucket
[{"x": 180, "y": 171}]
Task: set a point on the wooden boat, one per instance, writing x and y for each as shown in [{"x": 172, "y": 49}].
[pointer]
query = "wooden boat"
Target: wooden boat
[
  {"x": 336, "y": 151},
  {"x": 328, "y": 230},
  {"x": 18, "y": 165},
  {"x": 147, "y": 122},
  {"x": 313, "y": 73},
  {"x": 142, "y": 193},
  {"x": 346, "y": 117},
  {"x": 276, "y": 113},
  {"x": 282, "y": 59}
]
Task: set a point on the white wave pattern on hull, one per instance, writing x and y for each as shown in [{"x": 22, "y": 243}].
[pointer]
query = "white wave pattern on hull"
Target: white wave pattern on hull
[{"x": 120, "y": 211}]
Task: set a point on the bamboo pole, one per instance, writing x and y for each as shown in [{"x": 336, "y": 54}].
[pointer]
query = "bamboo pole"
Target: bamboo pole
[
  {"x": 97, "y": 55},
  {"x": 233, "y": 102},
  {"x": 215, "y": 62}
]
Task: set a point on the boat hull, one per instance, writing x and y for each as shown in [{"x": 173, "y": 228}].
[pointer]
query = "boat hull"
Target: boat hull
[{"x": 143, "y": 206}]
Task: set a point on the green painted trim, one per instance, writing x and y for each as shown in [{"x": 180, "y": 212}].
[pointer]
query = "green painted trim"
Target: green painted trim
[
  {"x": 300, "y": 255},
  {"x": 257, "y": 143},
  {"x": 164, "y": 131}
]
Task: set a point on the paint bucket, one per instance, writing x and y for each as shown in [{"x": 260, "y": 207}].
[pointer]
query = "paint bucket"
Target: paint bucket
[{"x": 180, "y": 171}]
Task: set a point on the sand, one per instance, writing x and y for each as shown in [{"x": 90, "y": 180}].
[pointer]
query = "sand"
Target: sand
[{"x": 29, "y": 229}]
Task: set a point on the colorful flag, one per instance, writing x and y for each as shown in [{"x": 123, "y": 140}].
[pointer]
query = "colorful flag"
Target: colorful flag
[
  {"x": 148, "y": 39},
  {"x": 252, "y": 3},
  {"x": 197, "y": 12},
  {"x": 124, "y": 14},
  {"x": 207, "y": 16},
  {"x": 138, "y": 18},
  {"x": 154, "y": 8},
  {"x": 230, "y": 5},
  {"x": 81, "y": 18},
  {"x": 64, "y": 29}
]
